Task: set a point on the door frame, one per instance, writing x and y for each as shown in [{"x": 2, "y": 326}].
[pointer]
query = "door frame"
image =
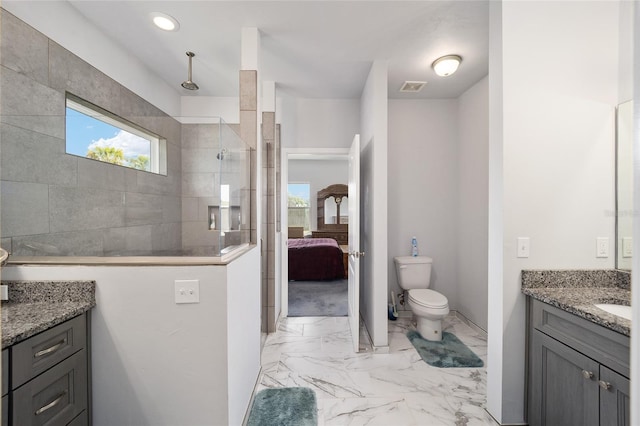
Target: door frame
[{"x": 284, "y": 216}]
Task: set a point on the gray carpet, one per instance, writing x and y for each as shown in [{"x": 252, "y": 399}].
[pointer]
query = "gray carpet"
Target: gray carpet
[
  {"x": 284, "y": 407},
  {"x": 449, "y": 352},
  {"x": 318, "y": 298}
]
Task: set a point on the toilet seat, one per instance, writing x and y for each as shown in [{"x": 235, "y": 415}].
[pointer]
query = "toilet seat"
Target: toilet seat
[{"x": 428, "y": 298}]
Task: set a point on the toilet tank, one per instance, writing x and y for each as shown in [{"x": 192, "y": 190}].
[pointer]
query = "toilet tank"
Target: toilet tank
[{"x": 413, "y": 272}]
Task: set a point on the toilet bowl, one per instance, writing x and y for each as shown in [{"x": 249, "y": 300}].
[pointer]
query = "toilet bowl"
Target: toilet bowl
[{"x": 428, "y": 306}]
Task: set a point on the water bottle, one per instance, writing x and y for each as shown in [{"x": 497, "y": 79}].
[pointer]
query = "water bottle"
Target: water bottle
[{"x": 414, "y": 246}]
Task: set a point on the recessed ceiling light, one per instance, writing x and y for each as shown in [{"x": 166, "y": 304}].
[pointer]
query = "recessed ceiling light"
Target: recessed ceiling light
[
  {"x": 446, "y": 65},
  {"x": 164, "y": 21}
]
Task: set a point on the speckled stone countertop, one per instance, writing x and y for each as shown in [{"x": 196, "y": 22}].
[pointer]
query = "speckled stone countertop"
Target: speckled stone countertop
[
  {"x": 578, "y": 291},
  {"x": 35, "y": 306}
]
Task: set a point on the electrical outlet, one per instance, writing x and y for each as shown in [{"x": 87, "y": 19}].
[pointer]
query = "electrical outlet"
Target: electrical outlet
[
  {"x": 4, "y": 292},
  {"x": 187, "y": 291},
  {"x": 523, "y": 247},
  {"x": 602, "y": 247},
  {"x": 627, "y": 247}
]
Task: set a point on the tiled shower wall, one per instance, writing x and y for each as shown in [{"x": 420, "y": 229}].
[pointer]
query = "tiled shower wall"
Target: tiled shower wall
[
  {"x": 52, "y": 203},
  {"x": 201, "y": 179}
]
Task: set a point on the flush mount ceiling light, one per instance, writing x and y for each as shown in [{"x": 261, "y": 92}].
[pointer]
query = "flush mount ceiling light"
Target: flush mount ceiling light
[
  {"x": 446, "y": 65},
  {"x": 164, "y": 21}
]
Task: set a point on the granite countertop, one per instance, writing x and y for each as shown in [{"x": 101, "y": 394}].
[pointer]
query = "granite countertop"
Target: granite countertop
[
  {"x": 577, "y": 292},
  {"x": 36, "y": 306}
]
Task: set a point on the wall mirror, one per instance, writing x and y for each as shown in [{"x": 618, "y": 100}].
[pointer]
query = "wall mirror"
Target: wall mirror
[
  {"x": 336, "y": 210},
  {"x": 624, "y": 185},
  {"x": 333, "y": 207}
]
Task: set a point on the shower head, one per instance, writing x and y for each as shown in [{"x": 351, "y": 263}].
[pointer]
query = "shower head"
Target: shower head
[
  {"x": 221, "y": 154},
  {"x": 190, "y": 85}
]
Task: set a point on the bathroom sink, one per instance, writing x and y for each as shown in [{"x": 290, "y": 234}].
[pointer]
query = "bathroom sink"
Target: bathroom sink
[{"x": 619, "y": 310}]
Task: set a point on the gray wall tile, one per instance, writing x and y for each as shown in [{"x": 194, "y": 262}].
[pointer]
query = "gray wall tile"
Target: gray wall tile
[
  {"x": 24, "y": 49},
  {"x": 28, "y": 104},
  {"x": 28, "y": 156},
  {"x": 67, "y": 72},
  {"x": 75, "y": 243},
  {"x": 84, "y": 208},
  {"x": 131, "y": 240},
  {"x": 96, "y": 174},
  {"x": 248, "y": 90},
  {"x": 157, "y": 184},
  {"x": 171, "y": 209},
  {"x": 200, "y": 136},
  {"x": 196, "y": 234},
  {"x": 166, "y": 236},
  {"x": 200, "y": 160},
  {"x": 132, "y": 105},
  {"x": 24, "y": 208},
  {"x": 199, "y": 184},
  {"x": 189, "y": 209},
  {"x": 142, "y": 209}
]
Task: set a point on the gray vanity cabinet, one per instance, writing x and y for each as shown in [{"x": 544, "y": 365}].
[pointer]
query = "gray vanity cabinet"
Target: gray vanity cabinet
[
  {"x": 48, "y": 377},
  {"x": 564, "y": 389},
  {"x": 570, "y": 372},
  {"x": 614, "y": 398}
]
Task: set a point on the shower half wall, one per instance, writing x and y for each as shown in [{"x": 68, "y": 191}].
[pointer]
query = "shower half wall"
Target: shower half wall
[{"x": 57, "y": 204}]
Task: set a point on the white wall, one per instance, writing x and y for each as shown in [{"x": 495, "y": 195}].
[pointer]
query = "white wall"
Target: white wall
[
  {"x": 319, "y": 174},
  {"x": 557, "y": 142},
  {"x": 473, "y": 202},
  {"x": 423, "y": 188},
  {"x": 319, "y": 123},
  {"x": 156, "y": 362},
  {"x": 243, "y": 332},
  {"x": 54, "y": 19},
  {"x": 373, "y": 204}
]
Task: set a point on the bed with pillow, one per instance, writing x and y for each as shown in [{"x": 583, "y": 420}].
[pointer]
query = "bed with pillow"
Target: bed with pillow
[{"x": 315, "y": 259}]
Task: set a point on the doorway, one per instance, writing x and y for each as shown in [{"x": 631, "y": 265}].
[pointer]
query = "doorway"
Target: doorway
[{"x": 323, "y": 291}]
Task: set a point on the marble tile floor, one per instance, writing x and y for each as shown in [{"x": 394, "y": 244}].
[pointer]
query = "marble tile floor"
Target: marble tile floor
[{"x": 392, "y": 389}]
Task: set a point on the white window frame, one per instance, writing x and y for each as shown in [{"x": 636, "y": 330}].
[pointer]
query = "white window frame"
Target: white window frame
[{"x": 158, "y": 145}]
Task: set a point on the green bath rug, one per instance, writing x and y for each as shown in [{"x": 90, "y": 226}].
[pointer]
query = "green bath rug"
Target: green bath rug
[
  {"x": 284, "y": 407},
  {"x": 448, "y": 353}
]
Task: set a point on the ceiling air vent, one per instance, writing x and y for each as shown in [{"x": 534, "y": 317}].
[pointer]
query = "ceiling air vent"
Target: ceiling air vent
[{"x": 412, "y": 86}]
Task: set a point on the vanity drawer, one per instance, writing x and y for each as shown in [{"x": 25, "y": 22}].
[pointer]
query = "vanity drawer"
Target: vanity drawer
[
  {"x": 595, "y": 341},
  {"x": 55, "y": 397},
  {"x": 42, "y": 351}
]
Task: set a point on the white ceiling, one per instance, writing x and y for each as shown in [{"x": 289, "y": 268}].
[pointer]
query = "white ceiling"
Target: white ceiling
[{"x": 312, "y": 49}]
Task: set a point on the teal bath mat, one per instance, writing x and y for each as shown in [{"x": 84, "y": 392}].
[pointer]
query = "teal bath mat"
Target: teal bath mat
[
  {"x": 448, "y": 353},
  {"x": 284, "y": 407}
]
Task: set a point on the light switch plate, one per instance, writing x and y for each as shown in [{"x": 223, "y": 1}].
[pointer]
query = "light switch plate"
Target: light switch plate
[
  {"x": 523, "y": 247},
  {"x": 187, "y": 291},
  {"x": 627, "y": 247},
  {"x": 4, "y": 292},
  {"x": 602, "y": 247}
]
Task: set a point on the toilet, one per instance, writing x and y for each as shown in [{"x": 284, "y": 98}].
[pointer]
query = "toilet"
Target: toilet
[{"x": 428, "y": 306}]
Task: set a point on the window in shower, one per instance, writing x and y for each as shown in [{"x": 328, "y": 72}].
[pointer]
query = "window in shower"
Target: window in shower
[
  {"x": 95, "y": 133},
  {"x": 298, "y": 205}
]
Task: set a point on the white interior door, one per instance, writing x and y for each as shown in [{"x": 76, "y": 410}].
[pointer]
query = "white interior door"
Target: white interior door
[{"x": 354, "y": 242}]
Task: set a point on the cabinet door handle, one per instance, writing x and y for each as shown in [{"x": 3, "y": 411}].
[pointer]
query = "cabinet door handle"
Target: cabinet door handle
[
  {"x": 604, "y": 385},
  {"x": 51, "y": 404},
  {"x": 50, "y": 349},
  {"x": 587, "y": 374}
]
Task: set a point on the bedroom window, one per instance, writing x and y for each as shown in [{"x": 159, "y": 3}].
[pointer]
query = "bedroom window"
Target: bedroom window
[
  {"x": 299, "y": 205},
  {"x": 95, "y": 133}
]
